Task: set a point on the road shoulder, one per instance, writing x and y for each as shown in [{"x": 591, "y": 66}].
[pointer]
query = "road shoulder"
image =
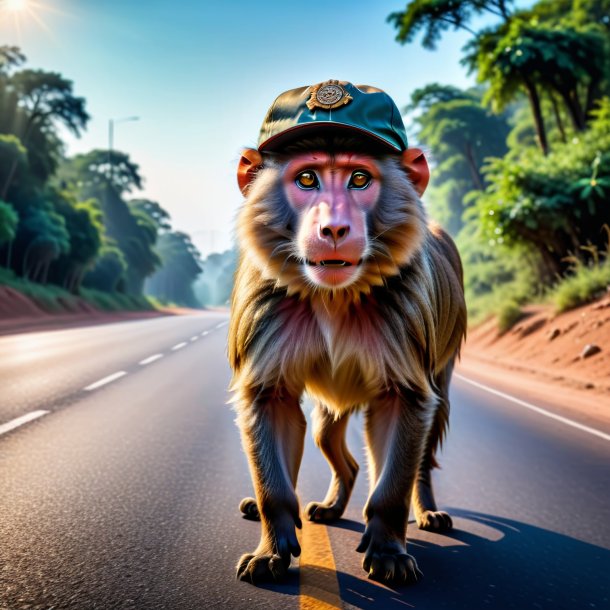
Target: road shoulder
[{"x": 590, "y": 407}]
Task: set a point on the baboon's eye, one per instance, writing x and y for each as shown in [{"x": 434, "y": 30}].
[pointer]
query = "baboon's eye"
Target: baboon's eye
[
  {"x": 307, "y": 180},
  {"x": 359, "y": 180}
]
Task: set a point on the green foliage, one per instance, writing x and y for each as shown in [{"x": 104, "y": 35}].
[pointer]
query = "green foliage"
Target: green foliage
[
  {"x": 586, "y": 284},
  {"x": 8, "y": 222},
  {"x": 434, "y": 17},
  {"x": 65, "y": 222},
  {"x": 461, "y": 134},
  {"x": 215, "y": 284},
  {"x": 537, "y": 212},
  {"x": 108, "y": 272},
  {"x": 92, "y": 173},
  {"x": 117, "y": 301},
  {"x": 508, "y": 315},
  {"x": 180, "y": 267},
  {"x": 551, "y": 204},
  {"x": 84, "y": 225},
  {"x": 132, "y": 228}
]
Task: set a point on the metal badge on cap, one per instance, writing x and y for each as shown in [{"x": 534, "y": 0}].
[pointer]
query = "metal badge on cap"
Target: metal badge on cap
[{"x": 328, "y": 95}]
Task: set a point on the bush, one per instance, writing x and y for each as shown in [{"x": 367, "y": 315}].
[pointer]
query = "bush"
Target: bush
[
  {"x": 587, "y": 284},
  {"x": 508, "y": 315}
]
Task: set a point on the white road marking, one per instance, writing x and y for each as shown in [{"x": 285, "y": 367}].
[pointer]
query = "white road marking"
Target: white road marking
[
  {"x": 178, "y": 346},
  {"x": 221, "y": 324},
  {"x": 194, "y": 339},
  {"x": 105, "y": 380},
  {"x": 19, "y": 421},
  {"x": 204, "y": 333},
  {"x": 539, "y": 410},
  {"x": 150, "y": 359}
]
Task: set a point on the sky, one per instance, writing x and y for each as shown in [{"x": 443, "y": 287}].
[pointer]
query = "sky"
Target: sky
[{"x": 201, "y": 74}]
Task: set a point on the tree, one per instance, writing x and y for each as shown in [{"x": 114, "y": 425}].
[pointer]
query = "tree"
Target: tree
[
  {"x": 154, "y": 211},
  {"x": 94, "y": 172},
  {"x": 8, "y": 222},
  {"x": 434, "y": 17},
  {"x": 107, "y": 176},
  {"x": 551, "y": 205},
  {"x": 461, "y": 134},
  {"x": 108, "y": 272},
  {"x": 180, "y": 266},
  {"x": 83, "y": 221},
  {"x": 537, "y": 59},
  {"x": 216, "y": 282},
  {"x": 44, "y": 237},
  {"x": 44, "y": 99},
  {"x": 542, "y": 49}
]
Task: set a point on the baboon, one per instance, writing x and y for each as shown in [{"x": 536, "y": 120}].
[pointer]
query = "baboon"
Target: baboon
[{"x": 346, "y": 292}]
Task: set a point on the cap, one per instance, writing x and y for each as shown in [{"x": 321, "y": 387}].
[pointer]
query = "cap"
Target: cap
[{"x": 333, "y": 106}]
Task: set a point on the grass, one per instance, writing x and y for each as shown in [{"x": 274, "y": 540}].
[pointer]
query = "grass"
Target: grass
[
  {"x": 508, "y": 315},
  {"x": 504, "y": 302},
  {"x": 54, "y": 299},
  {"x": 586, "y": 284}
]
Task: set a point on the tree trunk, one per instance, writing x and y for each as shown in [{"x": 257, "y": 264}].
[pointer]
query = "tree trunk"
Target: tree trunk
[
  {"x": 9, "y": 254},
  {"x": 570, "y": 97},
  {"x": 472, "y": 165},
  {"x": 558, "y": 119},
  {"x": 537, "y": 112}
]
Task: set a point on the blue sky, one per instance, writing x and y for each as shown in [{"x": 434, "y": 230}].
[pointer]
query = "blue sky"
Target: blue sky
[{"x": 201, "y": 75}]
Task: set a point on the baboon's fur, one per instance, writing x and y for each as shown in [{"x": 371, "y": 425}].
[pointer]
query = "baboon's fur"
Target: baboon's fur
[{"x": 385, "y": 344}]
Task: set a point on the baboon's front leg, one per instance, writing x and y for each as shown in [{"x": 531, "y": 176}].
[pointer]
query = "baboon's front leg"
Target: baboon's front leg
[
  {"x": 329, "y": 435},
  {"x": 273, "y": 431},
  {"x": 396, "y": 427}
]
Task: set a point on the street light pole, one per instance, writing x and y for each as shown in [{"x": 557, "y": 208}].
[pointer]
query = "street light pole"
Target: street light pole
[{"x": 111, "y": 124}]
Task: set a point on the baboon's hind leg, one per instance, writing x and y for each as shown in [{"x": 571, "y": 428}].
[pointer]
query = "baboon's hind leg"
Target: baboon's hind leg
[
  {"x": 329, "y": 435},
  {"x": 427, "y": 515}
]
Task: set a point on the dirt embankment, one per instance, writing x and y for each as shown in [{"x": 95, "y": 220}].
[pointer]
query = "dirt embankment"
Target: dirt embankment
[{"x": 562, "y": 359}]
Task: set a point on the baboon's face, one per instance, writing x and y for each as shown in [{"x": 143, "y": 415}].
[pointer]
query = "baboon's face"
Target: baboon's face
[
  {"x": 332, "y": 197},
  {"x": 325, "y": 219}
]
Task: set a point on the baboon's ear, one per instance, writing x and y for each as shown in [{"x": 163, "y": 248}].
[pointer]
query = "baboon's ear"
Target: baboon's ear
[
  {"x": 414, "y": 161},
  {"x": 250, "y": 161}
]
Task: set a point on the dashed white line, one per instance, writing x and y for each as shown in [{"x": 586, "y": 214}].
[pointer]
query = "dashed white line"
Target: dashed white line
[
  {"x": 539, "y": 410},
  {"x": 194, "y": 338},
  {"x": 221, "y": 324},
  {"x": 105, "y": 380},
  {"x": 19, "y": 421},
  {"x": 204, "y": 333},
  {"x": 178, "y": 346},
  {"x": 150, "y": 359}
]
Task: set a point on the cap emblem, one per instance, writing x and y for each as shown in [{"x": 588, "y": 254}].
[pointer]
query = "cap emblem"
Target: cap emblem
[{"x": 328, "y": 95}]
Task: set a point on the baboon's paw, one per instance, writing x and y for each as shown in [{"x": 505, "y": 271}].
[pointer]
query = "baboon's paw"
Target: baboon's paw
[
  {"x": 399, "y": 569},
  {"x": 249, "y": 509},
  {"x": 255, "y": 569},
  {"x": 385, "y": 556},
  {"x": 435, "y": 521},
  {"x": 322, "y": 513}
]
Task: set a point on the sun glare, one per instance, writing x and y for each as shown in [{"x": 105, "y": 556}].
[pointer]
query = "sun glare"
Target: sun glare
[{"x": 14, "y": 5}]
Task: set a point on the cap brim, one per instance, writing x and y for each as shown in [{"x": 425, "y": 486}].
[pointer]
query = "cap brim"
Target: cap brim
[{"x": 281, "y": 140}]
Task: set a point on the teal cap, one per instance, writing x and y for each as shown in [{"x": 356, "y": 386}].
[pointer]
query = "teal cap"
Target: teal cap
[{"x": 333, "y": 106}]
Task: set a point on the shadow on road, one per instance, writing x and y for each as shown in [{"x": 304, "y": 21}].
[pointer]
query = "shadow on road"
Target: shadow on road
[{"x": 491, "y": 562}]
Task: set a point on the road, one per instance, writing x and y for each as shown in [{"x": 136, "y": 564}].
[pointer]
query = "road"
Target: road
[{"x": 122, "y": 490}]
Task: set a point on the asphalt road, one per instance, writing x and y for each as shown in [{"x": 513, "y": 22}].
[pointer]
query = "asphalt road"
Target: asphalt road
[{"x": 125, "y": 495}]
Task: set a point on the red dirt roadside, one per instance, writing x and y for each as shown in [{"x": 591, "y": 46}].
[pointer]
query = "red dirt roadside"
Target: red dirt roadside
[{"x": 544, "y": 357}]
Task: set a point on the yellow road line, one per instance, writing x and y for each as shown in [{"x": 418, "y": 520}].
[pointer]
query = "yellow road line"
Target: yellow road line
[{"x": 318, "y": 577}]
